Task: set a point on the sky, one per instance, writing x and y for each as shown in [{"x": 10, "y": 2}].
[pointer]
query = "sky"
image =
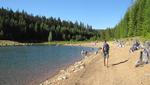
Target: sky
[{"x": 98, "y": 13}]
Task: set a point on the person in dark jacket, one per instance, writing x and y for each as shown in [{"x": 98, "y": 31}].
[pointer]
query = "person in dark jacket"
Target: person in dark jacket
[{"x": 105, "y": 53}]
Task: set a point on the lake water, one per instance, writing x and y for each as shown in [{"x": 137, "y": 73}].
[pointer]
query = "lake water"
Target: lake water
[{"x": 29, "y": 65}]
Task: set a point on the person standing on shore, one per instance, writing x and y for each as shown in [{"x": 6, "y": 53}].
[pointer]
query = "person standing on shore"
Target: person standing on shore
[{"x": 105, "y": 50}]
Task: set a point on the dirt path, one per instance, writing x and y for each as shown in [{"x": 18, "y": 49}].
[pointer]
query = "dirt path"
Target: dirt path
[{"x": 121, "y": 70}]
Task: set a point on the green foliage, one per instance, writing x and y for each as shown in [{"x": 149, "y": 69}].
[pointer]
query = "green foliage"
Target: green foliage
[
  {"x": 20, "y": 26},
  {"x": 136, "y": 21},
  {"x": 147, "y": 36}
]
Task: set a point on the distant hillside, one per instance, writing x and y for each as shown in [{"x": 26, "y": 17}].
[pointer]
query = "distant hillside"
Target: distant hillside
[{"x": 20, "y": 26}]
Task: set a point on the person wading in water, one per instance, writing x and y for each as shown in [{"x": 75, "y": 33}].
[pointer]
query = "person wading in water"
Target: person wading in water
[{"x": 105, "y": 53}]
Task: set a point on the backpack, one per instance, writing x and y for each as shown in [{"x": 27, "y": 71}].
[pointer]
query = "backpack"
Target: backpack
[{"x": 106, "y": 47}]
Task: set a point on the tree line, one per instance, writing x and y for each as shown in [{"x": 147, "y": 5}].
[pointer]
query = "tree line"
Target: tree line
[
  {"x": 136, "y": 22},
  {"x": 20, "y": 26}
]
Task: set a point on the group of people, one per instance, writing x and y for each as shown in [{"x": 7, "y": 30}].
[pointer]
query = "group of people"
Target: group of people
[
  {"x": 135, "y": 46},
  {"x": 144, "y": 57}
]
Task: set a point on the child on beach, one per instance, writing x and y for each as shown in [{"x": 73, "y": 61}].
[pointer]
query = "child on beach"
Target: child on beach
[{"x": 105, "y": 50}]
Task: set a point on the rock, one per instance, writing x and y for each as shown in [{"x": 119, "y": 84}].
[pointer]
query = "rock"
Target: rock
[
  {"x": 81, "y": 67},
  {"x": 64, "y": 77},
  {"x": 76, "y": 66},
  {"x": 79, "y": 62},
  {"x": 59, "y": 78},
  {"x": 76, "y": 70},
  {"x": 72, "y": 69},
  {"x": 45, "y": 83}
]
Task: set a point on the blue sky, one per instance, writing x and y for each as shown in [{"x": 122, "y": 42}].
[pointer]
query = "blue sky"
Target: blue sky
[{"x": 98, "y": 13}]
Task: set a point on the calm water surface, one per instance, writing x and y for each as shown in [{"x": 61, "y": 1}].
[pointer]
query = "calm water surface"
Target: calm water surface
[{"x": 26, "y": 65}]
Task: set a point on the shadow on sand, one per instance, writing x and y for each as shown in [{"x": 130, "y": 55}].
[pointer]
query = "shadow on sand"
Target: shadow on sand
[{"x": 119, "y": 62}]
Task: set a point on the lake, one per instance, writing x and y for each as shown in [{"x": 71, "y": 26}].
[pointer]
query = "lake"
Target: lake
[{"x": 29, "y": 65}]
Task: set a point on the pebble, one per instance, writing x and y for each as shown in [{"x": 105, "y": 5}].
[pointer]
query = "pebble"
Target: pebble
[{"x": 81, "y": 67}]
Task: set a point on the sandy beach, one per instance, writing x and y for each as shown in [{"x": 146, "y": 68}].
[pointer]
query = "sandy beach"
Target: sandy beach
[{"x": 91, "y": 71}]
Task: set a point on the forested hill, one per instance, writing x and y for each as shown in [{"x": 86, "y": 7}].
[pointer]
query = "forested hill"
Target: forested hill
[
  {"x": 136, "y": 21},
  {"x": 20, "y": 26}
]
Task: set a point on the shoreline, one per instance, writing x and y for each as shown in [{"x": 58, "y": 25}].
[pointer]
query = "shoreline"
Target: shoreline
[
  {"x": 76, "y": 67},
  {"x": 91, "y": 71},
  {"x": 66, "y": 72},
  {"x": 4, "y": 43}
]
